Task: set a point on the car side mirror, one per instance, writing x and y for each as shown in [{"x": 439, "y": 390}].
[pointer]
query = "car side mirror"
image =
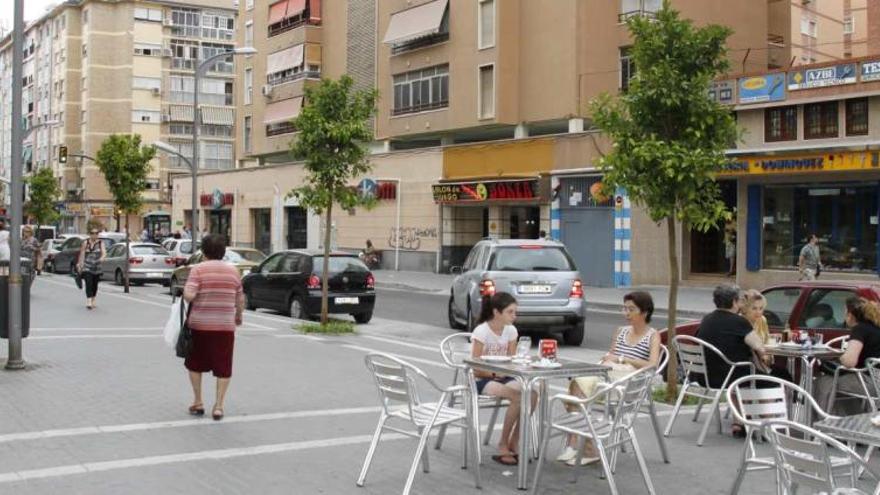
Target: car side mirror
[{"x": 455, "y": 270}]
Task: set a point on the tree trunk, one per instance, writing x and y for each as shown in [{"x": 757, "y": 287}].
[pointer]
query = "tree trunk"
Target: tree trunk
[
  {"x": 672, "y": 367},
  {"x": 325, "y": 307},
  {"x": 127, "y": 253}
]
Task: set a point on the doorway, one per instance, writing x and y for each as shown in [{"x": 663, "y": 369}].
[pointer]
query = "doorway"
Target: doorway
[
  {"x": 707, "y": 248},
  {"x": 263, "y": 230},
  {"x": 524, "y": 222},
  {"x": 219, "y": 222},
  {"x": 297, "y": 228}
]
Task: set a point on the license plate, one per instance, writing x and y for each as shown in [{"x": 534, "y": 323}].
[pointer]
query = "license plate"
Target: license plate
[
  {"x": 347, "y": 300},
  {"x": 535, "y": 289},
  {"x": 155, "y": 275}
]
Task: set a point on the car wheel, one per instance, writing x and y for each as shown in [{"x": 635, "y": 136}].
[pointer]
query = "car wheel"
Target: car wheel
[
  {"x": 72, "y": 268},
  {"x": 297, "y": 309},
  {"x": 363, "y": 318},
  {"x": 119, "y": 278},
  {"x": 249, "y": 302},
  {"x": 453, "y": 323},
  {"x": 49, "y": 267},
  {"x": 574, "y": 336}
]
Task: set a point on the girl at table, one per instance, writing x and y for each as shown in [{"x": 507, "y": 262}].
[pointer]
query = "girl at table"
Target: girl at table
[
  {"x": 863, "y": 320},
  {"x": 496, "y": 336},
  {"x": 633, "y": 347}
]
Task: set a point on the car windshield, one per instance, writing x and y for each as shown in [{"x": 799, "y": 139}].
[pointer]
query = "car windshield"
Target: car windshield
[
  {"x": 339, "y": 264},
  {"x": 530, "y": 259},
  {"x": 158, "y": 250},
  {"x": 186, "y": 247},
  {"x": 232, "y": 257},
  {"x": 249, "y": 255},
  {"x": 107, "y": 242}
]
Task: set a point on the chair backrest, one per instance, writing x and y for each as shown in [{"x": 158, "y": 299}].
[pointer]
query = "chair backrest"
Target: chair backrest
[
  {"x": 631, "y": 391},
  {"x": 395, "y": 380},
  {"x": 873, "y": 366},
  {"x": 763, "y": 397},
  {"x": 663, "y": 361},
  {"x": 455, "y": 348},
  {"x": 692, "y": 356},
  {"x": 838, "y": 342}
]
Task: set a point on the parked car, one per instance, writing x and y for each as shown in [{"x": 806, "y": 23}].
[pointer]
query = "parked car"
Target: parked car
[
  {"x": 540, "y": 274},
  {"x": 68, "y": 255},
  {"x": 818, "y": 306},
  {"x": 290, "y": 281},
  {"x": 242, "y": 258},
  {"x": 180, "y": 249},
  {"x": 147, "y": 262},
  {"x": 50, "y": 248}
]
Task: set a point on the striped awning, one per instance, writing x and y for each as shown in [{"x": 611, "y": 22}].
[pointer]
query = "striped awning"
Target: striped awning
[
  {"x": 416, "y": 22},
  {"x": 218, "y": 115},
  {"x": 180, "y": 113},
  {"x": 283, "y": 60},
  {"x": 283, "y": 110},
  {"x": 285, "y": 8}
]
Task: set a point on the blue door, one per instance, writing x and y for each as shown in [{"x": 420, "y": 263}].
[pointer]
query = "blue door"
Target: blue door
[{"x": 588, "y": 233}]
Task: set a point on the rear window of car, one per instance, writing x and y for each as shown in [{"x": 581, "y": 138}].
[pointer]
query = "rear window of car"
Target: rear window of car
[
  {"x": 187, "y": 247},
  {"x": 339, "y": 264},
  {"x": 158, "y": 250},
  {"x": 530, "y": 259},
  {"x": 253, "y": 256}
]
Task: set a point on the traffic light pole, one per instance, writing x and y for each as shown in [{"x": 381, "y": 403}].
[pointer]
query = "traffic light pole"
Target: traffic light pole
[{"x": 14, "y": 360}]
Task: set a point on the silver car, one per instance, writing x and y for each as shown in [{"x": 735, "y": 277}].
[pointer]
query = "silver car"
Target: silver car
[
  {"x": 540, "y": 274},
  {"x": 147, "y": 263},
  {"x": 180, "y": 249}
]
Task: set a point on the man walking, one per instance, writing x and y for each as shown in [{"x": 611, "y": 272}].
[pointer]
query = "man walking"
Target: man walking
[{"x": 810, "y": 262}]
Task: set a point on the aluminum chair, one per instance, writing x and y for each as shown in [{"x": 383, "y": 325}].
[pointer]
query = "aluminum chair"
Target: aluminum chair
[
  {"x": 397, "y": 382},
  {"x": 692, "y": 357},
  {"x": 805, "y": 458},
  {"x": 608, "y": 432},
  {"x": 756, "y": 405},
  {"x": 863, "y": 375}
]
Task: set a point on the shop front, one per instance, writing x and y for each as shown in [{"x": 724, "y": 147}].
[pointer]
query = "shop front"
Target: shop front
[{"x": 217, "y": 211}]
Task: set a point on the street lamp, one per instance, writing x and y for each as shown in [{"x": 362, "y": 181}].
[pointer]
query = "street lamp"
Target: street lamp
[
  {"x": 171, "y": 150},
  {"x": 194, "y": 165}
]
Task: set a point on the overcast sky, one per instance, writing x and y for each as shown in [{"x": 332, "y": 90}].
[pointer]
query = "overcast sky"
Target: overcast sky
[{"x": 32, "y": 10}]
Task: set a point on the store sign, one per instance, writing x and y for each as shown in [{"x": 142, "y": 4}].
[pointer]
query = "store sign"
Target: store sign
[
  {"x": 723, "y": 92},
  {"x": 217, "y": 199},
  {"x": 761, "y": 89},
  {"x": 839, "y": 162},
  {"x": 834, "y": 75},
  {"x": 470, "y": 192},
  {"x": 101, "y": 211},
  {"x": 871, "y": 71}
]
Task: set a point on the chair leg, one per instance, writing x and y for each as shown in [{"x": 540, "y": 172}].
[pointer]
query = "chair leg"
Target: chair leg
[
  {"x": 699, "y": 409},
  {"x": 372, "y": 450},
  {"x": 606, "y": 466},
  {"x": 442, "y": 433},
  {"x": 490, "y": 428},
  {"x": 713, "y": 410},
  {"x": 465, "y": 442},
  {"x": 419, "y": 457},
  {"x": 473, "y": 434},
  {"x": 652, "y": 410},
  {"x": 641, "y": 460},
  {"x": 426, "y": 467},
  {"x": 581, "y": 443},
  {"x": 743, "y": 466},
  {"x": 718, "y": 415},
  {"x": 676, "y": 409},
  {"x": 542, "y": 458}
]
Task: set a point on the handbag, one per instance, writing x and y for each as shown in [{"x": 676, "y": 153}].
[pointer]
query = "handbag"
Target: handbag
[
  {"x": 172, "y": 325},
  {"x": 77, "y": 277},
  {"x": 185, "y": 338}
]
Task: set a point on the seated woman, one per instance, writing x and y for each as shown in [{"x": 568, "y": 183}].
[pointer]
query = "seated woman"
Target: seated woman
[
  {"x": 863, "y": 319},
  {"x": 753, "y": 306},
  {"x": 496, "y": 336},
  {"x": 633, "y": 347}
]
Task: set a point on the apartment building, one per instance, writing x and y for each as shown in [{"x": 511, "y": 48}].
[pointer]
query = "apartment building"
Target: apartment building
[{"x": 98, "y": 67}]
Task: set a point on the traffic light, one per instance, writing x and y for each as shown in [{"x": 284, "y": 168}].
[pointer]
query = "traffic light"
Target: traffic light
[{"x": 62, "y": 154}]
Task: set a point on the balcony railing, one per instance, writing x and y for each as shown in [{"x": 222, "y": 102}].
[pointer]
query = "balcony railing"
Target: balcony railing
[
  {"x": 623, "y": 16},
  {"x": 423, "y": 107},
  {"x": 290, "y": 23},
  {"x": 776, "y": 39},
  {"x": 420, "y": 43},
  {"x": 308, "y": 74},
  {"x": 280, "y": 128}
]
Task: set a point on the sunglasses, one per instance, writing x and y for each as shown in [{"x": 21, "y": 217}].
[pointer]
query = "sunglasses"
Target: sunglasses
[{"x": 94, "y": 233}]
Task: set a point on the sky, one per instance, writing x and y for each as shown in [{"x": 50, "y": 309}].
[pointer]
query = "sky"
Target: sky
[{"x": 32, "y": 10}]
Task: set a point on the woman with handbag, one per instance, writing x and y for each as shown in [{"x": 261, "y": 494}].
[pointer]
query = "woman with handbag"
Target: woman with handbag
[
  {"x": 91, "y": 254},
  {"x": 216, "y": 300}
]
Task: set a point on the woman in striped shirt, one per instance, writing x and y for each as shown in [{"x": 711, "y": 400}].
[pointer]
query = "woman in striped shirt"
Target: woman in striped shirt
[
  {"x": 633, "y": 347},
  {"x": 214, "y": 291}
]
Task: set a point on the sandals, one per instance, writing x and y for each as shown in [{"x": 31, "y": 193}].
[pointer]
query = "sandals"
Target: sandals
[
  {"x": 506, "y": 459},
  {"x": 197, "y": 410},
  {"x": 217, "y": 414},
  {"x": 738, "y": 431}
]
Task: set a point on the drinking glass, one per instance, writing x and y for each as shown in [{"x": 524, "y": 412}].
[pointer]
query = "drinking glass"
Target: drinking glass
[
  {"x": 523, "y": 347},
  {"x": 818, "y": 338},
  {"x": 775, "y": 338}
]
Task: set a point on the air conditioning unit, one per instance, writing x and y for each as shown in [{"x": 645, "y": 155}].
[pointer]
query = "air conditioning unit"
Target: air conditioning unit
[
  {"x": 166, "y": 117},
  {"x": 167, "y": 22},
  {"x": 267, "y": 90},
  {"x": 167, "y": 52},
  {"x": 157, "y": 91}
]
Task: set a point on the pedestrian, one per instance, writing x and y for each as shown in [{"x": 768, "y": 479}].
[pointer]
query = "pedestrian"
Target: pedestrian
[
  {"x": 187, "y": 232},
  {"x": 4, "y": 241},
  {"x": 730, "y": 245},
  {"x": 145, "y": 235},
  {"x": 30, "y": 248},
  {"x": 91, "y": 254},
  {"x": 496, "y": 336},
  {"x": 215, "y": 293},
  {"x": 542, "y": 235},
  {"x": 810, "y": 260}
]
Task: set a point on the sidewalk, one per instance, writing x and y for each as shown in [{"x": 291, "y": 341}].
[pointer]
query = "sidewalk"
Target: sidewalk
[{"x": 693, "y": 302}]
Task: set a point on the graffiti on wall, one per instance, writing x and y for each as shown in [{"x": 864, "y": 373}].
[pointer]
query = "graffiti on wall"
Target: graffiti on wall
[{"x": 410, "y": 238}]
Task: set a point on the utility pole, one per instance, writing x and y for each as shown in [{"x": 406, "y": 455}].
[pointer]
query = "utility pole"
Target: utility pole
[{"x": 14, "y": 359}]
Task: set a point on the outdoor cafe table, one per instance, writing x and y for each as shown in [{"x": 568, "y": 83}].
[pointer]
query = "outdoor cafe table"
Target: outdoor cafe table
[
  {"x": 853, "y": 429},
  {"x": 527, "y": 375},
  {"x": 808, "y": 358}
]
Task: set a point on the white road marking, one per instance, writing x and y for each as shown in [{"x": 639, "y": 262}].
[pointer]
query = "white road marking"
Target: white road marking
[
  {"x": 300, "y": 336},
  {"x": 403, "y": 343},
  {"x": 93, "y": 336},
  {"x": 93, "y": 329}
]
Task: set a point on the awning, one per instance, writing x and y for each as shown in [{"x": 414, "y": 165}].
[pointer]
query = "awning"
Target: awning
[
  {"x": 284, "y": 9},
  {"x": 218, "y": 115},
  {"x": 285, "y": 59},
  {"x": 283, "y": 110},
  {"x": 416, "y": 22},
  {"x": 181, "y": 113},
  {"x": 158, "y": 213}
]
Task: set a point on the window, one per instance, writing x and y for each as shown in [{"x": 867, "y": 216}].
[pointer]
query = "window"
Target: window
[
  {"x": 809, "y": 27},
  {"x": 85, "y": 17},
  {"x": 184, "y": 52},
  {"x": 630, "y": 8},
  {"x": 145, "y": 116},
  {"x": 216, "y": 156},
  {"x": 820, "y": 120},
  {"x": 848, "y": 25},
  {"x": 217, "y": 26},
  {"x": 249, "y": 34},
  {"x": 421, "y": 90},
  {"x": 857, "y": 117},
  {"x": 627, "y": 69},
  {"x": 85, "y": 50},
  {"x": 146, "y": 82},
  {"x": 148, "y": 49},
  {"x": 515, "y": 259},
  {"x": 224, "y": 65},
  {"x": 248, "y": 86},
  {"x": 487, "y": 91},
  {"x": 249, "y": 5},
  {"x": 186, "y": 22},
  {"x": 487, "y": 24},
  {"x": 780, "y": 304},
  {"x": 780, "y": 124},
  {"x": 144, "y": 14},
  {"x": 279, "y": 128},
  {"x": 248, "y": 127},
  {"x": 825, "y": 308}
]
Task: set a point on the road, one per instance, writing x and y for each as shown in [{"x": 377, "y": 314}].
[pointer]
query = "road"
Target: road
[{"x": 101, "y": 409}]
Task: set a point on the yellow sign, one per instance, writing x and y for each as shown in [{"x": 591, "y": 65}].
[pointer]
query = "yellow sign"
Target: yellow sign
[
  {"x": 101, "y": 211},
  {"x": 829, "y": 162}
]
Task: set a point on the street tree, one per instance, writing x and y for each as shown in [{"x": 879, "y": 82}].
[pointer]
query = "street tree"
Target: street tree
[
  {"x": 669, "y": 136},
  {"x": 125, "y": 163},
  {"x": 44, "y": 192},
  {"x": 333, "y": 129}
]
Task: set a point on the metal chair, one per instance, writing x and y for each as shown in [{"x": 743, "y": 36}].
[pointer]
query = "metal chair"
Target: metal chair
[
  {"x": 863, "y": 376},
  {"x": 756, "y": 405},
  {"x": 397, "y": 382},
  {"x": 608, "y": 432},
  {"x": 805, "y": 458},
  {"x": 692, "y": 357}
]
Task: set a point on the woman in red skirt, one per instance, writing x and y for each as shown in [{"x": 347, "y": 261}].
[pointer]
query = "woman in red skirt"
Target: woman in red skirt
[{"x": 214, "y": 291}]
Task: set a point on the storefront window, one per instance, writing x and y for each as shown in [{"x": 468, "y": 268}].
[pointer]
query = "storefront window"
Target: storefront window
[
  {"x": 857, "y": 117},
  {"x": 780, "y": 124},
  {"x": 843, "y": 216},
  {"x": 820, "y": 120}
]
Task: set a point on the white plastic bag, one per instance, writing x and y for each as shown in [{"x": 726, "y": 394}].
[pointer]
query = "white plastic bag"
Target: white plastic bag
[{"x": 172, "y": 326}]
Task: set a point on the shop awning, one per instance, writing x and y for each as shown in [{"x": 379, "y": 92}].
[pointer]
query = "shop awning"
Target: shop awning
[
  {"x": 158, "y": 213},
  {"x": 285, "y": 59},
  {"x": 416, "y": 22},
  {"x": 282, "y": 111},
  {"x": 218, "y": 115},
  {"x": 180, "y": 113},
  {"x": 285, "y": 8}
]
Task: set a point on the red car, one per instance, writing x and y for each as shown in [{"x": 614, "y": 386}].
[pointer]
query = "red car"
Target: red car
[{"x": 812, "y": 306}]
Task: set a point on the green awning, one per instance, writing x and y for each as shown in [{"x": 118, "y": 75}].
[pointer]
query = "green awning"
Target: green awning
[{"x": 157, "y": 213}]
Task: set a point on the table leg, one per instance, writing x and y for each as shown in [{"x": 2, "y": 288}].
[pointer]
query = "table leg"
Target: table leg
[
  {"x": 524, "y": 433},
  {"x": 795, "y": 411},
  {"x": 807, "y": 384}
]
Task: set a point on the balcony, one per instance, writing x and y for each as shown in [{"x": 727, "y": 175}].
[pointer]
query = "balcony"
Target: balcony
[
  {"x": 289, "y": 24},
  {"x": 417, "y": 43},
  {"x": 776, "y": 40},
  {"x": 422, "y": 107},
  {"x": 296, "y": 76}
]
